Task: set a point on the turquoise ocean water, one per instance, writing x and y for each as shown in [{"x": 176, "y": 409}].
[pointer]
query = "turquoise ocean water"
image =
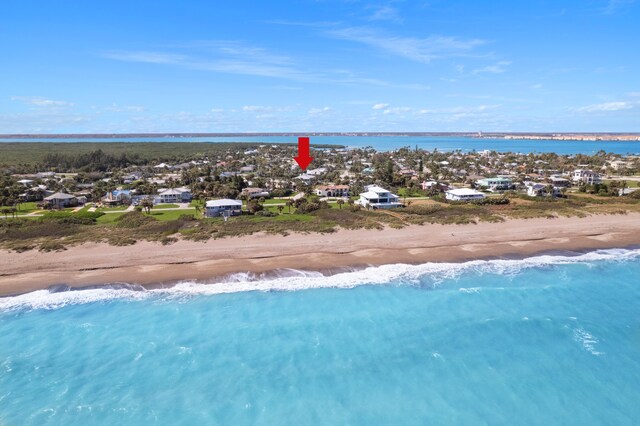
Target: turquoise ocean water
[
  {"x": 388, "y": 143},
  {"x": 544, "y": 340}
]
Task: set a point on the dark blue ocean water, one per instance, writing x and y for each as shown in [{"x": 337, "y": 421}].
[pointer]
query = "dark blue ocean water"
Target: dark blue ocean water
[
  {"x": 544, "y": 340},
  {"x": 388, "y": 143}
]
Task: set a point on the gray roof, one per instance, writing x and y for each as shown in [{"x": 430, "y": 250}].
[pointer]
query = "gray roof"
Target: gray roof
[
  {"x": 59, "y": 196},
  {"x": 224, "y": 202}
]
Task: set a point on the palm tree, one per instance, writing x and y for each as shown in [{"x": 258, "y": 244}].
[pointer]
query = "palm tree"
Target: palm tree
[
  {"x": 340, "y": 202},
  {"x": 280, "y": 208},
  {"x": 289, "y": 204},
  {"x": 549, "y": 190},
  {"x": 147, "y": 204}
]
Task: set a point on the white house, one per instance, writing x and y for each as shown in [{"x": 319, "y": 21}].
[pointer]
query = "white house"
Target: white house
[
  {"x": 376, "y": 197},
  {"x": 215, "y": 208},
  {"x": 60, "y": 200},
  {"x": 539, "y": 189},
  {"x": 463, "y": 194},
  {"x": 586, "y": 176},
  {"x": 497, "y": 183},
  {"x": 332, "y": 191},
  {"x": 175, "y": 195},
  {"x": 255, "y": 192}
]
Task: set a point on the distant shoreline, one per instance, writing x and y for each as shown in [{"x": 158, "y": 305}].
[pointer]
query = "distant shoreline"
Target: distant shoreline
[
  {"x": 566, "y": 136},
  {"x": 153, "y": 265}
]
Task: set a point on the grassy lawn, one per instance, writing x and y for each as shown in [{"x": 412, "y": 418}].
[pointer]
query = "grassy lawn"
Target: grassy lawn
[
  {"x": 196, "y": 203},
  {"x": 28, "y": 207},
  {"x": 274, "y": 201},
  {"x": 630, "y": 183},
  {"x": 165, "y": 206},
  {"x": 171, "y": 214},
  {"x": 112, "y": 209}
]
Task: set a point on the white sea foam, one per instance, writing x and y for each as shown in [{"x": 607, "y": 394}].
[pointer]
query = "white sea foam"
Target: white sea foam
[
  {"x": 587, "y": 340},
  {"x": 292, "y": 280}
]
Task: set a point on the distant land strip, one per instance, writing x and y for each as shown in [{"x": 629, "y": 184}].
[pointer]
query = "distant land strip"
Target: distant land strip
[{"x": 577, "y": 136}]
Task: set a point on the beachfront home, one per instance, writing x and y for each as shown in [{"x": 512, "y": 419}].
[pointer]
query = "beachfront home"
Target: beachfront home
[
  {"x": 560, "y": 182},
  {"x": 586, "y": 176},
  {"x": 376, "y": 197},
  {"x": 463, "y": 194},
  {"x": 332, "y": 191},
  {"x": 539, "y": 190},
  {"x": 496, "y": 183},
  {"x": 432, "y": 185},
  {"x": 119, "y": 196},
  {"x": 216, "y": 208},
  {"x": 255, "y": 192},
  {"x": 174, "y": 195},
  {"x": 60, "y": 200}
]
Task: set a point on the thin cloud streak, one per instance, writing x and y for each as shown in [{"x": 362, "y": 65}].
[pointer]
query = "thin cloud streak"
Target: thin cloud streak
[{"x": 416, "y": 49}]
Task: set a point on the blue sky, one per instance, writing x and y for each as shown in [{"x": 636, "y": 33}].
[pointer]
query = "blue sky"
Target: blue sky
[{"x": 325, "y": 65}]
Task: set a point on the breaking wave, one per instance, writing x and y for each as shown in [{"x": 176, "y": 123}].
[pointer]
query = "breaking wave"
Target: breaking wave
[{"x": 292, "y": 280}]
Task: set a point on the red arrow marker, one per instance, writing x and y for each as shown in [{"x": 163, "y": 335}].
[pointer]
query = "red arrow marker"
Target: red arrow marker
[{"x": 303, "y": 158}]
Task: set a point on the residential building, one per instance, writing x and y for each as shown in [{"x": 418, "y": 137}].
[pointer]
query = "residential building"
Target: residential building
[
  {"x": 539, "y": 190},
  {"x": 496, "y": 183},
  {"x": 332, "y": 191},
  {"x": 61, "y": 200},
  {"x": 175, "y": 195},
  {"x": 560, "y": 182},
  {"x": 119, "y": 196},
  {"x": 216, "y": 208},
  {"x": 377, "y": 197},
  {"x": 586, "y": 176},
  {"x": 255, "y": 192},
  {"x": 463, "y": 194}
]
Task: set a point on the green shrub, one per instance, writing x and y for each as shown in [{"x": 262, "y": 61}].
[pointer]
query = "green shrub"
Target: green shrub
[
  {"x": 80, "y": 218},
  {"x": 52, "y": 246},
  {"x": 133, "y": 220}
]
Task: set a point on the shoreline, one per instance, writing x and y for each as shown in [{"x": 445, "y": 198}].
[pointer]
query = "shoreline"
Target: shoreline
[{"x": 153, "y": 265}]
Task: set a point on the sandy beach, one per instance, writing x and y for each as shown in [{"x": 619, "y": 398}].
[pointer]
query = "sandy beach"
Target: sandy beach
[{"x": 152, "y": 264}]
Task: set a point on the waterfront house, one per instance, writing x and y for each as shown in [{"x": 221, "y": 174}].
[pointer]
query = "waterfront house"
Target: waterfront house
[
  {"x": 255, "y": 192},
  {"x": 216, "y": 208},
  {"x": 332, "y": 190},
  {"x": 496, "y": 183},
  {"x": 432, "y": 185},
  {"x": 175, "y": 195},
  {"x": 119, "y": 196},
  {"x": 377, "y": 197},
  {"x": 560, "y": 182},
  {"x": 586, "y": 176},
  {"x": 463, "y": 194},
  {"x": 60, "y": 200},
  {"x": 539, "y": 190}
]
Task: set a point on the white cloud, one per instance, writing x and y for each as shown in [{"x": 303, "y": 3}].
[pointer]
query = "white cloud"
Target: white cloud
[
  {"x": 40, "y": 102},
  {"x": 316, "y": 111},
  {"x": 606, "y": 107},
  {"x": 385, "y": 13},
  {"x": 497, "y": 68},
  {"x": 396, "y": 110},
  {"x": 145, "y": 57},
  {"x": 256, "y": 108},
  {"x": 416, "y": 49},
  {"x": 380, "y": 106},
  {"x": 614, "y": 6},
  {"x": 537, "y": 86}
]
